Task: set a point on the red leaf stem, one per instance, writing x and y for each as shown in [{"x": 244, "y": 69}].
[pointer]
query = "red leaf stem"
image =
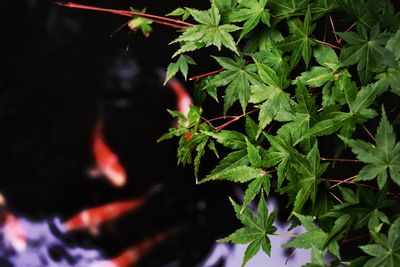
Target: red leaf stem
[
  {"x": 328, "y": 44},
  {"x": 205, "y": 74},
  {"x": 234, "y": 118},
  {"x": 156, "y": 19}
]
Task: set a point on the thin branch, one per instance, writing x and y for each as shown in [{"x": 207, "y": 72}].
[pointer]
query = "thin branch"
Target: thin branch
[
  {"x": 270, "y": 127},
  {"x": 285, "y": 235},
  {"x": 156, "y": 19},
  {"x": 328, "y": 44},
  {"x": 270, "y": 171},
  {"x": 222, "y": 118},
  {"x": 341, "y": 160},
  {"x": 369, "y": 133},
  {"x": 348, "y": 29},
  {"x": 166, "y": 23},
  {"x": 338, "y": 199},
  {"x": 205, "y": 75},
  {"x": 347, "y": 180},
  {"x": 235, "y": 118},
  {"x": 334, "y": 30},
  {"x": 325, "y": 29}
]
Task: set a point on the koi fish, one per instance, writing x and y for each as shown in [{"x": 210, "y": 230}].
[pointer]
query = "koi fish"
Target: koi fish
[
  {"x": 183, "y": 101},
  {"x": 91, "y": 218},
  {"x": 107, "y": 162},
  {"x": 12, "y": 229},
  {"x": 131, "y": 256}
]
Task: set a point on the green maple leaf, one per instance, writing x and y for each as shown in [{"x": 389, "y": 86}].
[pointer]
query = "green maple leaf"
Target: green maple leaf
[
  {"x": 197, "y": 142},
  {"x": 304, "y": 117},
  {"x": 240, "y": 174},
  {"x": 314, "y": 238},
  {"x": 232, "y": 160},
  {"x": 208, "y": 32},
  {"x": 303, "y": 184},
  {"x": 382, "y": 158},
  {"x": 274, "y": 59},
  {"x": 262, "y": 40},
  {"x": 366, "y": 50},
  {"x": 360, "y": 10},
  {"x": 300, "y": 42},
  {"x": 139, "y": 23},
  {"x": 322, "y": 7},
  {"x": 184, "y": 12},
  {"x": 331, "y": 121},
  {"x": 319, "y": 75},
  {"x": 365, "y": 207},
  {"x": 390, "y": 79},
  {"x": 393, "y": 44},
  {"x": 386, "y": 250},
  {"x": 255, "y": 229},
  {"x": 180, "y": 65},
  {"x": 275, "y": 104},
  {"x": 251, "y": 128},
  {"x": 288, "y": 8},
  {"x": 278, "y": 155},
  {"x": 229, "y": 139},
  {"x": 237, "y": 77},
  {"x": 250, "y": 11},
  {"x": 234, "y": 166},
  {"x": 260, "y": 184}
]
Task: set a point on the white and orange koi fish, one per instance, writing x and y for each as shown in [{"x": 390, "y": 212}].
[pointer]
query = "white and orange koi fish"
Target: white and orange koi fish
[
  {"x": 12, "y": 229},
  {"x": 91, "y": 218},
  {"x": 107, "y": 162}
]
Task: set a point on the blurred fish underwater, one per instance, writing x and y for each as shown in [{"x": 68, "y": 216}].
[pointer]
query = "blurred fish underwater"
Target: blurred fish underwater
[{"x": 76, "y": 105}]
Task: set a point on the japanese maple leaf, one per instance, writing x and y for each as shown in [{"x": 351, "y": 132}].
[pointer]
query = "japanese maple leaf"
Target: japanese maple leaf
[
  {"x": 274, "y": 103},
  {"x": 319, "y": 75},
  {"x": 250, "y": 11},
  {"x": 304, "y": 117},
  {"x": 303, "y": 183},
  {"x": 314, "y": 237},
  {"x": 255, "y": 230},
  {"x": 300, "y": 41},
  {"x": 382, "y": 158},
  {"x": 366, "y": 50},
  {"x": 208, "y": 32},
  {"x": 386, "y": 250},
  {"x": 288, "y": 8},
  {"x": 345, "y": 92},
  {"x": 182, "y": 65},
  {"x": 238, "y": 77}
]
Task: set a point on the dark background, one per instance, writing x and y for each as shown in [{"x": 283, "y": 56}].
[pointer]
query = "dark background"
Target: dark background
[{"x": 60, "y": 74}]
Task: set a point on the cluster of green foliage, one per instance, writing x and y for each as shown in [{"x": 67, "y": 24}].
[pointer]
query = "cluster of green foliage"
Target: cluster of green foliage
[{"x": 304, "y": 91}]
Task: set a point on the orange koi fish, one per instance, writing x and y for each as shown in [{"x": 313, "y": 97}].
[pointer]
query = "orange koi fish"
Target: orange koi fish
[
  {"x": 131, "y": 256},
  {"x": 91, "y": 218},
  {"x": 107, "y": 162},
  {"x": 183, "y": 100}
]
